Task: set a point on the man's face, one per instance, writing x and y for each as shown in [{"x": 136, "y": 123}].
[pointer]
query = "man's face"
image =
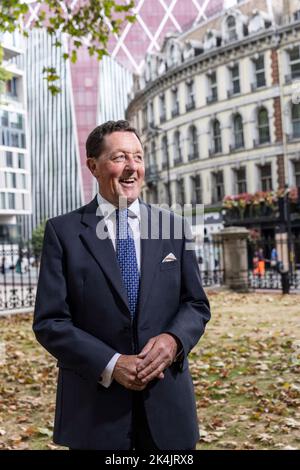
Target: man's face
[{"x": 120, "y": 167}]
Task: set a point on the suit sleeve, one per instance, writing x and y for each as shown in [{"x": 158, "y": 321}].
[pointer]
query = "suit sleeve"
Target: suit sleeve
[
  {"x": 76, "y": 349},
  {"x": 194, "y": 312}
]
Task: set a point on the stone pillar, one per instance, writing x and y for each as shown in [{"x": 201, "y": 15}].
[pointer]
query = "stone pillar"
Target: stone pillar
[
  {"x": 235, "y": 257},
  {"x": 282, "y": 249}
]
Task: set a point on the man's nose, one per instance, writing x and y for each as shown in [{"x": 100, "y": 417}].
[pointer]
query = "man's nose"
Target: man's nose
[{"x": 131, "y": 164}]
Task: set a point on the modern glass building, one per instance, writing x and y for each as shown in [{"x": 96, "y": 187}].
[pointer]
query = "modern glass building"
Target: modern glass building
[{"x": 15, "y": 196}]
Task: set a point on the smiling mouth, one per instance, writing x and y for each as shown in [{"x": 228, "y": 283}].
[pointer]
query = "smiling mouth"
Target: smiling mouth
[{"x": 127, "y": 182}]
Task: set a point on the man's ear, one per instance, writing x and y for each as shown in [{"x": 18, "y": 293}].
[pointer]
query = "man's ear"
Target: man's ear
[{"x": 91, "y": 164}]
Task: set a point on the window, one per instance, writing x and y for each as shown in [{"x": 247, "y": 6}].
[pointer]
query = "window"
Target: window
[
  {"x": 266, "y": 177},
  {"x": 238, "y": 131},
  {"x": 296, "y": 15},
  {"x": 165, "y": 152},
  {"x": 295, "y": 62},
  {"x": 259, "y": 65},
  {"x": 217, "y": 140},
  {"x": 196, "y": 189},
  {"x": 235, "y": 77},
  {"x": 212, "y": 79},
  {"x": 167, "y": 196},
  {"x": 173, "y": 55},
  {"x": 175, "y": 104},
  {"x": 240, "y": 181},
  {"x": 16, "y": 121},
  {"x": 4, "y": 118},
  {"x": 177, "y": 148},
  {"x": 180, "y": 192},
  {"x": 296, "y": 120},
  {"x": 263, "y": 126},
  {"x": 162, "y": 108},
  {"x": 193, "y": 143},
  {"x": 23, "y": 181},
  {"x": 231, "y": 28},
  {"x": 297, "y": 173},
  {"x": 11, "y": 200},
  {"x": 153, "y": 154},
  {"x": 217, "y": 187},
  {"x": 11, "y": 180},
  {"x": 190, "y": 97},
  {"x": 21, "y": 162},
  {"x": 151, "y": 113},
  {"x": 9, "y": 159},
  {"x": 145, "y": 118},
  {"x": 2, "y": 201},
  {"x": 11, "y": 87}
]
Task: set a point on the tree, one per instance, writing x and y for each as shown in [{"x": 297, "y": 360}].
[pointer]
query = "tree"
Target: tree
[
  {"x": 89, "y": 23},
  {"x": 37, "y": 239}
]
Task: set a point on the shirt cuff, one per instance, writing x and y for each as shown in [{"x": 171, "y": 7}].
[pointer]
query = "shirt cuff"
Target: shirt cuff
[{"x": 106, "y": 376}]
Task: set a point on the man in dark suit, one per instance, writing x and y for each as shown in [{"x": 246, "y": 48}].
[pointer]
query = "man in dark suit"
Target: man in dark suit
[{"x": 120, "y": 310}]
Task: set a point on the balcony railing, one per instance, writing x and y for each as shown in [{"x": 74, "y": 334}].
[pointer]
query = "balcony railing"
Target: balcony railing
[
  {"x": 12, "y": 137},
  {"x": 214, "y": 152},
  {"x": 162, "y": 118},
  {"x": 293, "y": 136},
  {"x": 193, "y": 156},
  {"x": 175, "y": 110},
  {"x": 258, "y": 142},
  {"x": 211, "y": 99},
  {"x": 178, "y": 156},
  {"x": 256, "y": 86},
  {"x": 190, "y": 104},
  {"x": 236, "y": 147},
  {"x": 292, "y": 76}
]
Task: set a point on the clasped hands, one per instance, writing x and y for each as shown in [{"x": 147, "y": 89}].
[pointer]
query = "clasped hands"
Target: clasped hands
[{"x": 134, "y": 372}]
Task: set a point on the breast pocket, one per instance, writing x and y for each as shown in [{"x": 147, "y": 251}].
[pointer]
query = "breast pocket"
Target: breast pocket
[{"x": 169, "y": 265}]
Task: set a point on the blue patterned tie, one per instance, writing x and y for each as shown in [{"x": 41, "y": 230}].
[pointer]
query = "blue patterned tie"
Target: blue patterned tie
[{"x": 126, "y": 255}]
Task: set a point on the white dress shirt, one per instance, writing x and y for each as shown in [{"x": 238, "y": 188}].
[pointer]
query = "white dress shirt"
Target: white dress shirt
[{"x": 108, "y": 210}]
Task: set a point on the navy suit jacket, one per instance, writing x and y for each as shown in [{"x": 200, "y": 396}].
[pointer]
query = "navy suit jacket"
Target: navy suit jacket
[{"x": 82, "y": 318}]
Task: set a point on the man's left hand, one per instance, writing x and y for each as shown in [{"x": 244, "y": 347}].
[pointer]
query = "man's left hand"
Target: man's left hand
[{"x": 158, "y": 354}]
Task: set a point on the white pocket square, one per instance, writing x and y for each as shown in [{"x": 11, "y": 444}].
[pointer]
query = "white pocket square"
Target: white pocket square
[{"x": 169, "y": 257}]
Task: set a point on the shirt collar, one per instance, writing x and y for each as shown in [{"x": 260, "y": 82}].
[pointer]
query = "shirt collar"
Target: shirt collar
[{"x": 107, "y": 208}]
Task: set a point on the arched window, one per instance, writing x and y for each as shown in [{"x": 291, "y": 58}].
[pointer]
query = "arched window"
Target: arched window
[
  {"x": 238, "y": 131},
  {"x": 164, "y": 152},
  {"x": 296, "y": 120},
  {"x": 263, "y": 126},
  {"x": 217, "y": 139},
  {"x": 177, "y": 148},
  {"x": 231, "y": 28},
  {"x": 193, "y": 143}
]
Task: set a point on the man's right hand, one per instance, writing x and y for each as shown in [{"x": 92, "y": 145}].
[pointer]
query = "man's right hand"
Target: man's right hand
[{"x": 125, "y": 372}]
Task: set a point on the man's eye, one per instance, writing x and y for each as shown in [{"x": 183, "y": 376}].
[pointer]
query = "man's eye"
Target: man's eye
[
  {"x": 138, "y": 158},
  {"x": 119, "y": 158}
]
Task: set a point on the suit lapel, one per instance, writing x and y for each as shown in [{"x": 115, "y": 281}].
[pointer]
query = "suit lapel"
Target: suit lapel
[
  {"x": 102, "y": 248},
  {"x": 151, "y": 250}
]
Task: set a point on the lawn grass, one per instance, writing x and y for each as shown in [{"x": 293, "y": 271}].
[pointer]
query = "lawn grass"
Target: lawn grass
[{"x": 245, "y": 371}]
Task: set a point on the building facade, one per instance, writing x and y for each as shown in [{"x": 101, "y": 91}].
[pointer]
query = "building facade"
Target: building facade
[
  {"x": 91, "y": 93},
  {"x": 15, "y": 187},
  {"x": 219, "y": 106}
]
